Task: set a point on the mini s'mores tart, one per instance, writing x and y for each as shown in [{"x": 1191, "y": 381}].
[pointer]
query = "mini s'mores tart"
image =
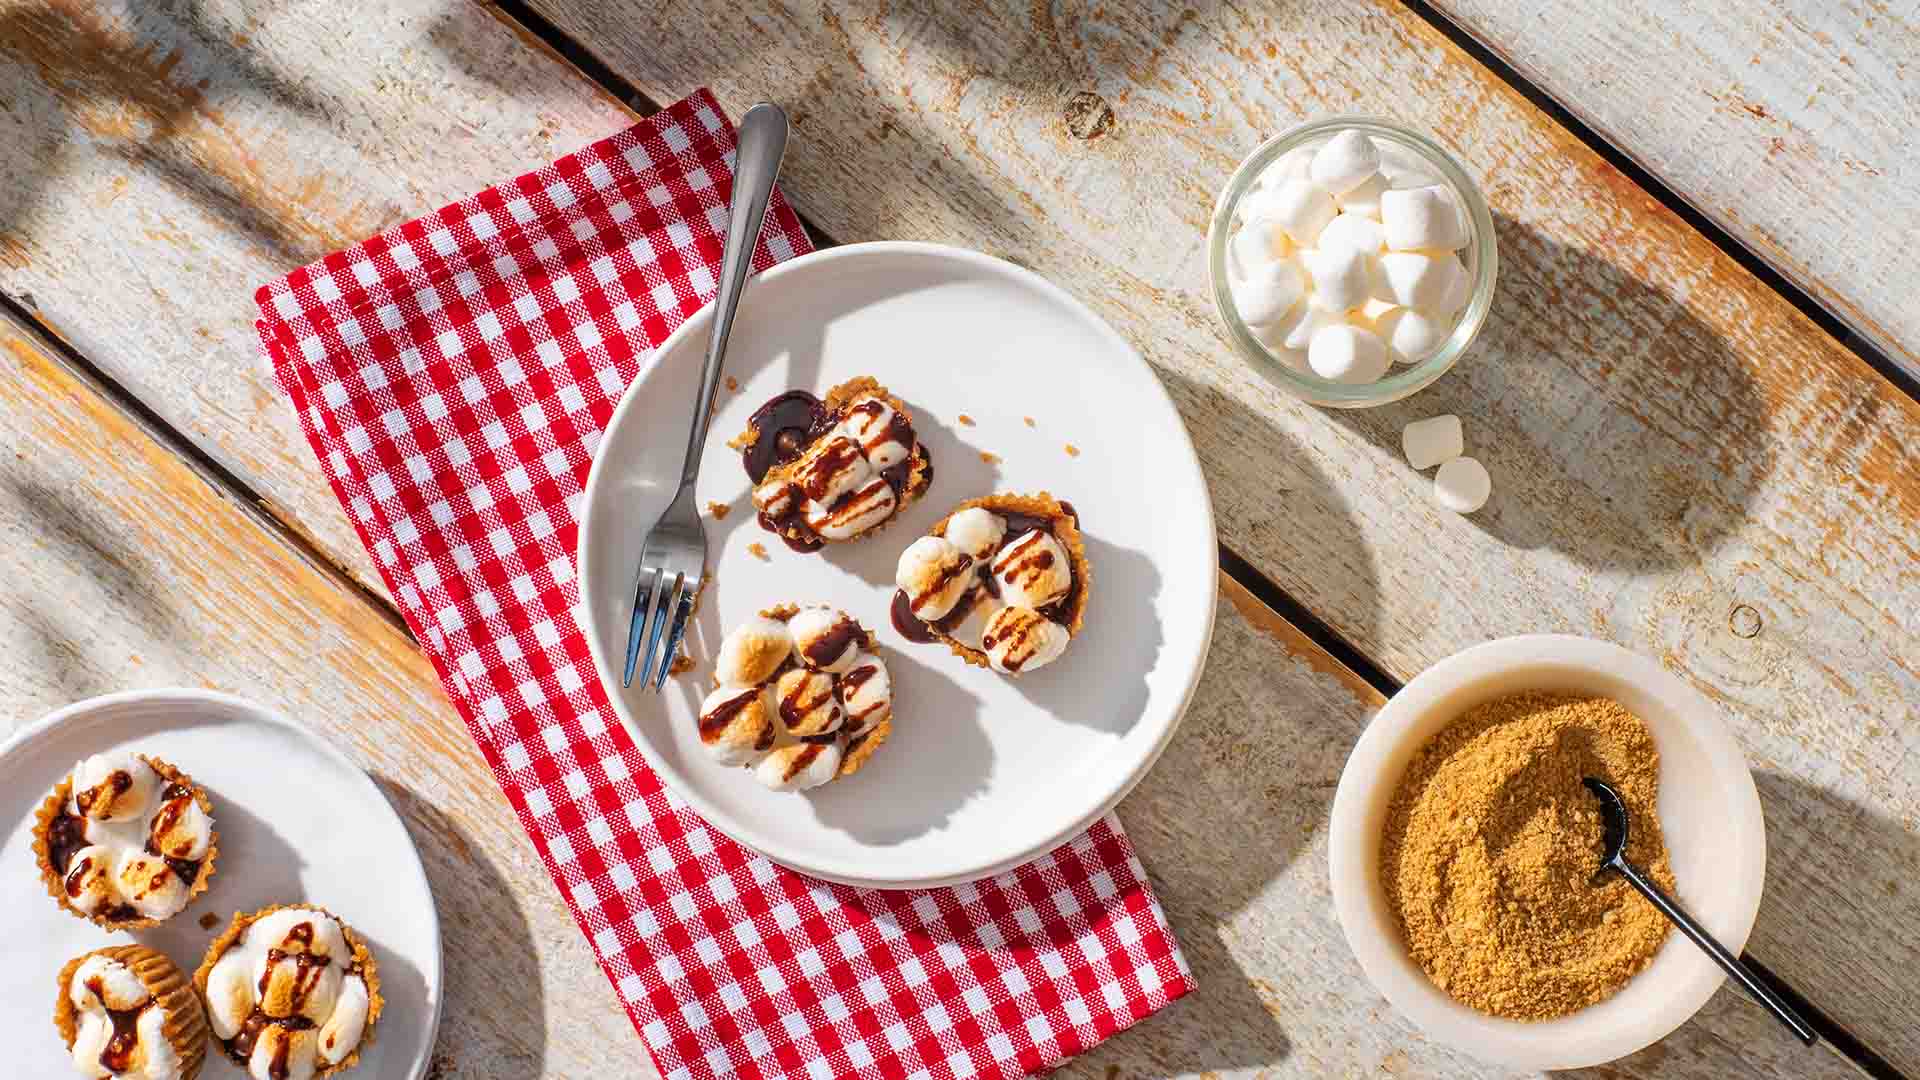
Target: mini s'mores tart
[
  {"x": 127, "y": 1011},
  {"x": 125, "y": 841},
  {"x": 291, "y": 992},
  {"x": 1003, "y": 581},
  {"x": 834, "y": 469},
  {"x": 802, "y": 697}
]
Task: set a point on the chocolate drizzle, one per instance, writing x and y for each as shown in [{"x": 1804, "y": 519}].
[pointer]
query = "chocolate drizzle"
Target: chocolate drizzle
[
  {"x": 712, "y": 724},
  {"x": 828, "y": 647},
  {"x": 120, "y": 781},
  {"x": 240, "y": 1047},
  {"x": 117, "y": 1056},
  {"x": 796, "y": 706},
  {"x": 783, "y": 431},
  {"x": 66, "y": 835}
]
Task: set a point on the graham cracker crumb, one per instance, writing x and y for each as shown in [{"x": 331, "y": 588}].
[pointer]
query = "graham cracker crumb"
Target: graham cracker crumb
[
  {"x": 719, "y": 510},
  {"x": 1491, "y": 847},
  {"x": 733, "y": 384},
  {"x": 989, "y": 457},
  {"x": 681, "y": 665},
  {"x": 1072, "y": 450},
  {"x": 209, "y": 921},
  {"x": 757, "y": 551},
  {"x": 965, "y": 420},
  {"x": 1029, "y": 421}
]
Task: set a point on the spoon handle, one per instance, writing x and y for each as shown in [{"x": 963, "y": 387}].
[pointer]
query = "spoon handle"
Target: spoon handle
[
  {"x": 1728, "y": 962},
  {"x": 1842, "y": 1042}
]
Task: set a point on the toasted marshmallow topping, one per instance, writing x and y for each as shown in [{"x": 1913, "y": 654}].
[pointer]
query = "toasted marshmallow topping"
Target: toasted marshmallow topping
[
  {"x": 853, "y": 513},
  {"x": 1021, "y": 639},
  {"x": 791, "y": 725},
  {"x": 103, "y": 986},
  {"x": 869, "y": 422},
  {"x": 825, "y": 639},
  {"x": 113, "y": 787},
  {"x": 737, "y": 724},
  {"x": 934, "y": 573},
  {"x": 799, "y": 766},
  {"x": 752, "y": 652},
  {"x": 809, "y": 702},
  {"x": 132, "y": 826},
  {"x": 831, "y": 468},
  {"x": 866, "y": 693},
  {"x": 976, "y": 531},
  {"x": 776, "y": 498},
  {"x": 295, "y": 968},
  {"x": 1033, "y": 570}
]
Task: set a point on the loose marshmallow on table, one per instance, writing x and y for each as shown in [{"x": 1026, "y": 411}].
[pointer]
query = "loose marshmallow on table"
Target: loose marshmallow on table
[
  {"x": 1347, "y": 354},
  {"x": 1432, "y": 441},
  {"x": 1423, "y": 219},
  {"x": 1462, "y": 485},
  {"x": 1345, "y": 161}
]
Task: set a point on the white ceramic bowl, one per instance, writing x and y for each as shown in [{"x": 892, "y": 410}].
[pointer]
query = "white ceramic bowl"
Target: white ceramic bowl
[{"x": 1708, "y": 808}]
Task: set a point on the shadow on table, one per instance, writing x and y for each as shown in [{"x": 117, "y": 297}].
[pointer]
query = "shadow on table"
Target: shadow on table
[
  {"x": 1619, "y": 428},
  {"x": 487, "y": 948},
  {"x": 121, "y": 86}
]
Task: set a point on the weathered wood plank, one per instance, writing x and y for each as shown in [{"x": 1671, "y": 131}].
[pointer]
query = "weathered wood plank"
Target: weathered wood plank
[
  {"x": 158, "y": 161},
  {"x": 107, "y": 583},
  {"x": 1790, "y": 124},
  {"x": 1682, "y": 462}
]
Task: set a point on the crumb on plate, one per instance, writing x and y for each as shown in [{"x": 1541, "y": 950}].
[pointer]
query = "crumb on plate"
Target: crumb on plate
[
  {"x": 754, "y": 549},
  {"x": 1072, "y": 450},
  {"x": 989, "y": 457},
  {"x": 719, "y": 510},
  {"x": 966, "y": 420},
  {"x": 1029, "y": 421},
  {"x": 733, "y": 383}
]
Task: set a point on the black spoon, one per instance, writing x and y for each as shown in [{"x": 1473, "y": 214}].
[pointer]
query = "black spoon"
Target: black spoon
[{"x": 1779, "y": 999}]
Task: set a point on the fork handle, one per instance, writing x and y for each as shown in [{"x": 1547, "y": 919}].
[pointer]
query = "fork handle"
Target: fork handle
[{"x": 762, "y": 142}]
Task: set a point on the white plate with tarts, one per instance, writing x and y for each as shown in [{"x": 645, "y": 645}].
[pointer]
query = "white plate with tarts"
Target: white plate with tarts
[
  {"x": 298, "y": 823},
  {"x": 982, "y": 772}
]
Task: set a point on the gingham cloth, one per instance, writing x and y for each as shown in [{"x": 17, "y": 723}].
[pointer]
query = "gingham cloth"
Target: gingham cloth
[{"x": 453, "y": 375}]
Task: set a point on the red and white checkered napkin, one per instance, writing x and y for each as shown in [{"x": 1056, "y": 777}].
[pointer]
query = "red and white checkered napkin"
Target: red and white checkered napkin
[{"x": 454, "y": 375}]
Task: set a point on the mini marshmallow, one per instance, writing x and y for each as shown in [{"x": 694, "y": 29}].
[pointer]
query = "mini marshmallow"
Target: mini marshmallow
[
  {"x": 799, "y": 766},
  {"x": 1301, "y": 207},
  {"x": 816, "y": 630},
  {"x": 737, "y": 724},
  {"x": 1365, "y": 199},
  {"x": 1351, "y": 232},
  {"x": 1304, "y": 323},
  {"x": 1462, "y": 485},
  {"x": 1458, "y": 293},
  {"x": 1257, "y": 244},
  {"x": 1422, "y": 218},
  {"x": 1432, "y": 441},
  {"x": 976, "y": 531},
  {"x": 1347, "y": 354},
  {"x": 1342, "y": 277},
  {"x": 1411, "y": 334},
  {"x": 1345, "y": 161},
  {"x": 1269, "y": 293},
  {"x": 1412, "y": 279}
]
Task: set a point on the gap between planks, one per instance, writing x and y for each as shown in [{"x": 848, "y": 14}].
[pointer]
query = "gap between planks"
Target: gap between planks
[{"x": 254, "y": 505}]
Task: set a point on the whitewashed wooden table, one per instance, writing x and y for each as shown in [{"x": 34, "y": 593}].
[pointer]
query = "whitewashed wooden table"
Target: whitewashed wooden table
[{"x": 1704, "y": 436}]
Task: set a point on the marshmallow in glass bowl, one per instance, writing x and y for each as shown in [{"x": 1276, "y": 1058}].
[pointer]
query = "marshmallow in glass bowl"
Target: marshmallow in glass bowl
[{"x": 1353, "y": 259}]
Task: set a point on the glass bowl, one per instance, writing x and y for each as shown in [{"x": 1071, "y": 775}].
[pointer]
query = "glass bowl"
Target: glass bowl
[{"x": 1480, "y": 258}]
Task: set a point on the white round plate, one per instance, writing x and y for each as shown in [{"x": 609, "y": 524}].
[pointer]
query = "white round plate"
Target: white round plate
[
  {"x": 298, "y": 822},
  {"x": 982, "y": 772}
]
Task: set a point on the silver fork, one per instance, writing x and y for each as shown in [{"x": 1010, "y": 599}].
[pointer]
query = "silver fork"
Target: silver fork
[{"x": 673, "y": 561}]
